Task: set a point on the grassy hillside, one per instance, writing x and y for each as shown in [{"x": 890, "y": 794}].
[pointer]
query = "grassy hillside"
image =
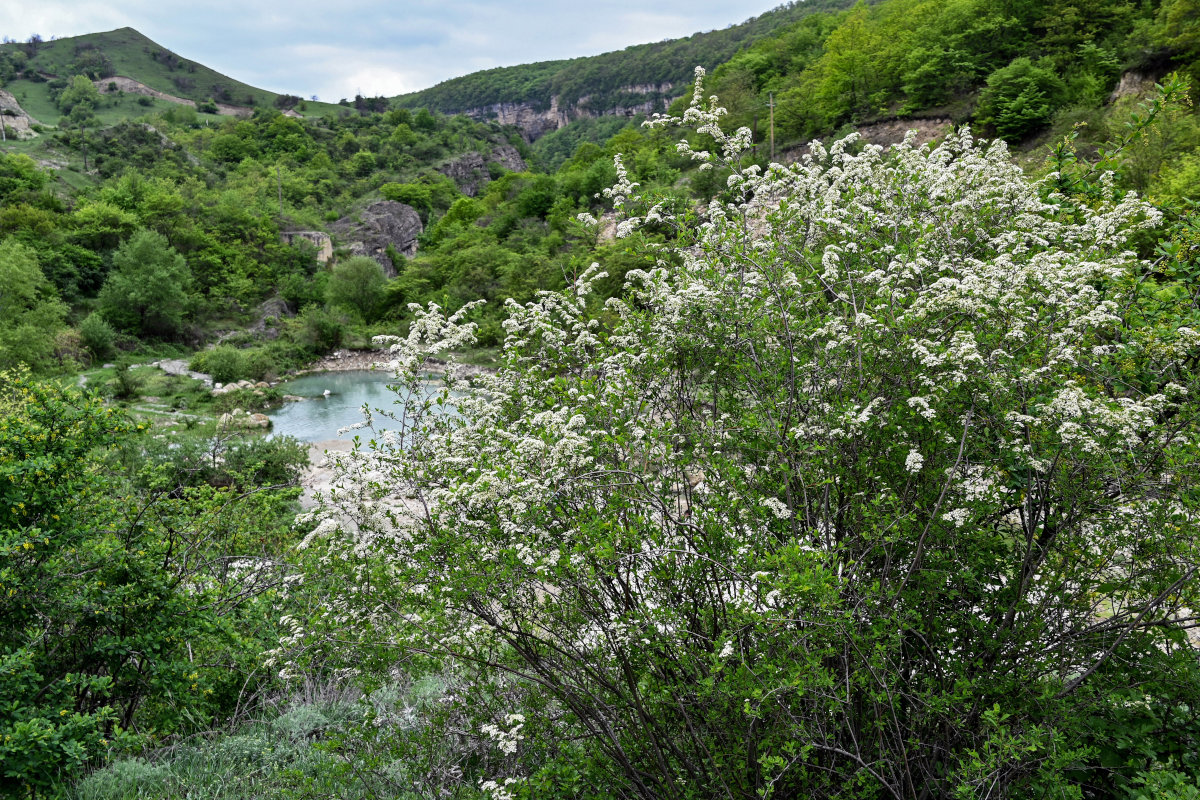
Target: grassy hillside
[
  {"x": 35, "y": 97},
  {"x": 126, "y": 52},
  {"x": 31, "y": 71},
  {"x": 601, "y": 78}
]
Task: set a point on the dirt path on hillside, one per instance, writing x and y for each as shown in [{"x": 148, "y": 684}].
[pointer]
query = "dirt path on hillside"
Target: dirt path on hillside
[{"x": 130, "y": 86}]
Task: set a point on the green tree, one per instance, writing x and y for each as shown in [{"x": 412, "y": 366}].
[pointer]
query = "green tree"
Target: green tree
[
  {"x": 30, "y": 311},
  {"x": 1020, "y": 98},
  {"x": 80, "y": 93},
  {"x": 147, "y": 290},
  {"x": 98, "y": 336},
  {"x": 119, "y": 602},
  {"x": 19, "y": 177},
  {"x": 357, "y": 284}
]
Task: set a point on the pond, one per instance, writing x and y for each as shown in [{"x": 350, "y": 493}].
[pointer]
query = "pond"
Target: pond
[{"x": 319, "y": 416}]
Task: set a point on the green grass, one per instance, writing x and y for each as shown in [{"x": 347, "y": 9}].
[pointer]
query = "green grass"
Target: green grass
[
  {"x": 130, "y": 54},
  {"x": 113, "y": 108},
  {"x": 269, "y": 759},
  {"x": 34, "y": 97}
]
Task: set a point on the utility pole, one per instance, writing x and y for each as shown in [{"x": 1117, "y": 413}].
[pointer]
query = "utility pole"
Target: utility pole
[
  {"x": 3, "y": 129},
  {"x": 279, "y": 182},
  {"x": 771, "y": 105}
]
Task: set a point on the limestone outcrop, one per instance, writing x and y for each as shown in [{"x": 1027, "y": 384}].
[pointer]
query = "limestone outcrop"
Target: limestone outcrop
[
  {"x": 17, "y": 123},
  {"x": 317, "y": 239},
  {"x": 383, "y": 223},
  {"x": 535, "y": 122},
  {"x": 240, "y": 419},
  {"x": 471, "y": 172}
]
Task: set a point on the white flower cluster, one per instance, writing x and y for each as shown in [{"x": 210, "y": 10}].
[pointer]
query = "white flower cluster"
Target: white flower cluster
[
  {"x": 506, "y": 740},
  {"x": 498, "y": 790}
]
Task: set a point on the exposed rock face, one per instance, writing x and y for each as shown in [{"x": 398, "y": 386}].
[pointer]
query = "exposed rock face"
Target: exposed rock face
[
  {"x": 535, "y": 123},
  {"x": 380, "y": 224},
  {"x": 471, "y": 172},
  {"x": 178, "y": 366},
  {"x": 507, "y": 156},
  {"x": 266, "y": 327},
  {"x": 893, "y": 131},
  {"x": 1132, "y": 83},
  {"x": 17, "y": 124},
  {"x": 317, "y": 239}
]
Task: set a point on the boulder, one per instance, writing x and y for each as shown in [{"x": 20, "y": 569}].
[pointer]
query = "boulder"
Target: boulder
[
  {"x": 383, "y": 223},
  {"x": 17, "y": 123},
  {"x": 240, "y": 419},
  {"x": 471, "y": 172},
  {"x": 508, "y": 157}
]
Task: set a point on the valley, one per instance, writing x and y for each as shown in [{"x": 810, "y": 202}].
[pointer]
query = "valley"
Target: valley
[{"x": 801, "y": 408}]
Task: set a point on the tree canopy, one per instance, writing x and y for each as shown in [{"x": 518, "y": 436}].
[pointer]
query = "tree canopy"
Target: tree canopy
[{"x": 147, "y": 291}]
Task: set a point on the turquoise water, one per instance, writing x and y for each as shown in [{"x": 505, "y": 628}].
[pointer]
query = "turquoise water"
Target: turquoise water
[{"x": 318, "y": 417}]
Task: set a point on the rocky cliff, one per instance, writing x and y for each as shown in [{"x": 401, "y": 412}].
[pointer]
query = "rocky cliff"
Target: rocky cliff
[
  {"x": 535, "y": 122},
  {"x": 317, "y": 239},
  {"x": 382, "y": 224},
  {"x": 471, "y": 172},
  {"x": 17, "y": 124}
]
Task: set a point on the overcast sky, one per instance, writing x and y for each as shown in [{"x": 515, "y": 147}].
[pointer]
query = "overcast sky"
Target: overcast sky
[{"x": 339, "y": 48}]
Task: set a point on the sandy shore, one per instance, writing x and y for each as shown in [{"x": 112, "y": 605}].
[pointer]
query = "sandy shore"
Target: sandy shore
[{"x": 319, "y": 474}]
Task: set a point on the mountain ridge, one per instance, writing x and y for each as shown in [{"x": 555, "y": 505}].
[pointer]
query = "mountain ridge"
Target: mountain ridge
[{"x": 639, "y": 79}]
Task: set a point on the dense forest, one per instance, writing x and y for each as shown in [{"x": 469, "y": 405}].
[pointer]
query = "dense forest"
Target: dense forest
[
  {"x": 603, "y": 79},
  {"x": 863, "y": 472}
]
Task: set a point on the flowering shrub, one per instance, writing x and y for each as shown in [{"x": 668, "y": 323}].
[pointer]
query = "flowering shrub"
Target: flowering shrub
[{"x": 869, "y": 487}]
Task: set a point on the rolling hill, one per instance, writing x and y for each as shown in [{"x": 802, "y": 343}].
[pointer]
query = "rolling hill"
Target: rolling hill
[{"x": 126, "y": 62}]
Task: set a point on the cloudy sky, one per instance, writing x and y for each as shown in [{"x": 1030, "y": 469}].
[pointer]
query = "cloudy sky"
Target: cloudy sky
[{"x": 339, "y": 48}]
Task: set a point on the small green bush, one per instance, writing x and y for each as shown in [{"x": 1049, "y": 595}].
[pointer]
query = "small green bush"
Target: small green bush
[
  {"x": 279, "y": 460},
  {"x": 98, "y": 336},
  {"x": 320, "y": 330},
  {"x": 226, "y": 364},
  {"x": 125, "y": 383},
  {"x": 1021, "y": 98},
  {"x": 1164, "y": 785}
]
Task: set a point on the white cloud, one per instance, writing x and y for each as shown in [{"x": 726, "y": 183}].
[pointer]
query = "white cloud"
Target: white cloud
[{"x": 310, "y": 47}]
